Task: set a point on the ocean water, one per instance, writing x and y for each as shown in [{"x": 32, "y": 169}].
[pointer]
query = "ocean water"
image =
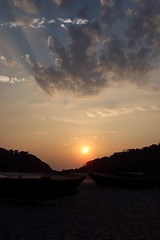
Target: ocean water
[{"x": 92, "y": 213}]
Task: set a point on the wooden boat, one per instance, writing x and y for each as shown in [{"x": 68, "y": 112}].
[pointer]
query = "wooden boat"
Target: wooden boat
[
  {"x": 131, "y": 180},
  {"x": 38, "y": 188}
]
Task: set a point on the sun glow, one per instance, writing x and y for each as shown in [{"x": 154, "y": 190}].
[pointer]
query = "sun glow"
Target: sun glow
[{"x": 85, "y": 150}]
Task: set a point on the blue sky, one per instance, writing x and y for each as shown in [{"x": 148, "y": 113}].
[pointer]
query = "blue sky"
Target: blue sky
[{"x": 76, "y": 73}]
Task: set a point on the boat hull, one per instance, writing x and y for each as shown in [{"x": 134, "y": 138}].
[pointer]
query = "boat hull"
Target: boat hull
[
  {"x": 105, "y": 180},
  {"x": 38, "y": 188}
]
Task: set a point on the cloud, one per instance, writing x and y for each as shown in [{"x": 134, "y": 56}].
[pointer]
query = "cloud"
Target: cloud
[
  {"x": 63, "y": 3},
  {"x": 7, "y": 79},
  {"x": 26, "y": 22},
  {"x": 28, "y": 6},
  {"x": 155, "y": 108},
  {"x": 116, "y": 111},
  {"x": 6, "y": 62},
  {"x": 107, "y": 3},
  {"x": 75, "y": 138},
  {"x": 121, "y": 44},
  {"x": 141, "y": 109},
  {"x": 76, "y": 68},
  {"x": 144, "y": 27},
  {"x": 106, "y": 10},
  {"x": 3, "y": 60},
  {"x": 90, "y": 115},
  {"x": 78, "y": 21},
  {"x": 123, "y": 64},
  {"x": 65, "y": 119}
]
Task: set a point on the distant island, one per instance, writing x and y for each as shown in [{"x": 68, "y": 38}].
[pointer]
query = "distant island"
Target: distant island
[
  {"x": 146, "y": 160},
  {"x": 21, "y": 161}
]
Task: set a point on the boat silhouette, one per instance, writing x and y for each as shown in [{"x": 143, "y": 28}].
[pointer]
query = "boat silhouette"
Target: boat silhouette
[{"x": 39, "y": 188}]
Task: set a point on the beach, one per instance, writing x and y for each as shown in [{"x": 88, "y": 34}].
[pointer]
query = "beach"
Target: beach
[{"x": 92, "y": 213}]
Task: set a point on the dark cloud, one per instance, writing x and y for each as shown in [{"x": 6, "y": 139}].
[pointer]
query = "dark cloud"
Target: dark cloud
[
  {"x": 122, "y": 44},
  {"x": 144, "y": 27},
  {"x": 106, "y": 11},
  {"x": 83, "y": 13},
  {"x": 76, "y": 68},
  {"x": 124, "y": 64}
]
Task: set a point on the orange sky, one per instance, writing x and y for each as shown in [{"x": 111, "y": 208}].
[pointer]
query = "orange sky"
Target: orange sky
[{"x": 75, "y": 75}]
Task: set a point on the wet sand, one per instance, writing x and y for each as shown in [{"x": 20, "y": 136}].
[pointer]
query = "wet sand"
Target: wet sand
[{"x": 93, "y": 213}]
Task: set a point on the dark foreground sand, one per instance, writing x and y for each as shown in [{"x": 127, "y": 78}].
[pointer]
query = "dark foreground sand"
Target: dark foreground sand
[{"x": 93, "y": 213}]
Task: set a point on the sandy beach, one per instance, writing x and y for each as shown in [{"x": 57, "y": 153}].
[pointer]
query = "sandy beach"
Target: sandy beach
[{"x": 93, "y": 213}]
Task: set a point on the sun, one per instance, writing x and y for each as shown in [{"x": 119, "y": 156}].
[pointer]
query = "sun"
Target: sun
[{"x": 85, "y": 150}]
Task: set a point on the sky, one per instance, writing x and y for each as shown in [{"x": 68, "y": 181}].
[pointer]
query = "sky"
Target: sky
[{"x": 79, "y": 79}]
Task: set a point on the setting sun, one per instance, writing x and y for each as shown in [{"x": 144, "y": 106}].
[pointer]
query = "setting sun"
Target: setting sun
[{"x": 85, "y": 150}]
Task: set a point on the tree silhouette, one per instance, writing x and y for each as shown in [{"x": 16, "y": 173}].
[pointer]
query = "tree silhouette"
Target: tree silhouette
[
  {"x": 21, "y": 161},
  {"x": 145, "y": 160}
]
